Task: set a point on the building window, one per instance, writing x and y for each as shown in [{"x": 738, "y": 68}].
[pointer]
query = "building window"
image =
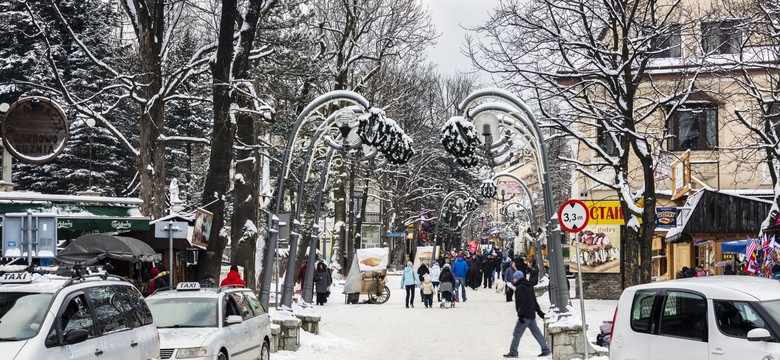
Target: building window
[
  {"x": 669, "y": 44},
  {"x": 606, "y": 142},
  {"x": 720, "y": 37},
  {"x": 694, "y": 128}
]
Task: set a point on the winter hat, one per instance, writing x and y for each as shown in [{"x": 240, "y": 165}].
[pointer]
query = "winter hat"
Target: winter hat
[
  {"x": 446, "y": 266},
  {"x": 409, "y": 263},
  {"x": 518, "y": 275},
  {"x": 460, "y": 256},
  {"x": 435, "y": 264}
]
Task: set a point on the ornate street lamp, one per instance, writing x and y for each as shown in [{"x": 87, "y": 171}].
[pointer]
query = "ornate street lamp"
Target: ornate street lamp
[{"x": 459, "y": 137}]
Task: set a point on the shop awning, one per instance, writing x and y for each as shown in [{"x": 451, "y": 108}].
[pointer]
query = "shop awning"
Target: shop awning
[
  {"x": 91, "y": 249},
  {"x": 74, "y": 220},
  {"x": 712, "y": 212},
  {"x": 736, "y": 246}
]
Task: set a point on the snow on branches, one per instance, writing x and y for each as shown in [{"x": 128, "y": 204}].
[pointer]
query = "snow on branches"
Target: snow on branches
[{"x": 459, "y": 138}]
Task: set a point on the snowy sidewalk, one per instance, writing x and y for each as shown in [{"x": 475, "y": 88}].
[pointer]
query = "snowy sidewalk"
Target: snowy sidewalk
[{"x": 480, "y": 328}]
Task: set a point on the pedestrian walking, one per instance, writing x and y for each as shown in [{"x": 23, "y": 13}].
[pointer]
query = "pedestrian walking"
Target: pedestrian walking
[
  {"x": 427, "y": 291},
  {"x": 233, "y": 278},
  {"x": 322, "y": 281},
  {"x": 509, "y": 289},
  {"x": 460, "y": 269},
  {"x": 421, "y": 272},
  {"x": 533, "y": 273},
  {"x": 527, "y": 308},
  {"x": 488, "y": 271},
  {"x": 447, "y": 285},
  {"x": 435, "y": 272},
  {"x": 409, "y": 281}
]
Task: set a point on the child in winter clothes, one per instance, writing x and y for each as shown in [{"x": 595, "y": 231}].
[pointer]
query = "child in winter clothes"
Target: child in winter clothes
[{"x": 427, "y": 291}]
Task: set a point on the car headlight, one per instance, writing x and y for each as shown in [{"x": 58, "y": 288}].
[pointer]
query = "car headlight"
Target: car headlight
[{"x": 187, "y": 353}]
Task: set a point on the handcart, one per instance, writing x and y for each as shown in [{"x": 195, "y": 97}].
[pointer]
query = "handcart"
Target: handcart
[{"x": 367, "y": 276}]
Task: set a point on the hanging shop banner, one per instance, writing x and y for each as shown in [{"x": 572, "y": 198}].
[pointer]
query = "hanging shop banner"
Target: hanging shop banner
[
  {"x": 424, "y": 253},
  {"x": 665, "y": 217},
  {"x": 599, "y": 249},
  {"x": 202, "y": 231},
  {"x": 607, "y": 212},
  {"x": 473, "y": 246}
]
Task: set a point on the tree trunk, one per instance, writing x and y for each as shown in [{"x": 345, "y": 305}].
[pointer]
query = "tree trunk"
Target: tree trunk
[
  {"x": 218, "y": 175},
  {"x": 151, "y": 158},
  {"x": 246, "y": 196}
]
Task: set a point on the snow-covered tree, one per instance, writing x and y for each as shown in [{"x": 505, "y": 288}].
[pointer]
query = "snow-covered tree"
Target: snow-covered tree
[{"x": 593, "y": 61}]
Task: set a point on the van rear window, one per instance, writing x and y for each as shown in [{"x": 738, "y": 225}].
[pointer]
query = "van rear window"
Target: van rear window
[{"x": 642, "y": 309}]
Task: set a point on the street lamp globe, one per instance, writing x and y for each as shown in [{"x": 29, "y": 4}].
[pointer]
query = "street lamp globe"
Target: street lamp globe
[
  {"x": 486, "y": 123},
  {"x": 345, "y": 121}
]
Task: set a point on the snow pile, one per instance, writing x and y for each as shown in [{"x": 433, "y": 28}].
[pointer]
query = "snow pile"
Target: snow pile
[{"x": 313, "y": 344}]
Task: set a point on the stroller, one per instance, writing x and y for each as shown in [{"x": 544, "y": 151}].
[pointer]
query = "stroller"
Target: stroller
[{"x": 445, "y": 290}]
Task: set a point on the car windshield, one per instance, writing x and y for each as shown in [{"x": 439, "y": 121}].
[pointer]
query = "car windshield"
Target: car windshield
[
  {"x": 772, "y": 307},
  {"x": 21, "y": 314},
  {"x": 183, "y": 312}
]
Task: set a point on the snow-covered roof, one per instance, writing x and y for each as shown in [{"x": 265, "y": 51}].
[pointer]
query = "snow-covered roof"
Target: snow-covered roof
[{"x": 29, "y": 196}]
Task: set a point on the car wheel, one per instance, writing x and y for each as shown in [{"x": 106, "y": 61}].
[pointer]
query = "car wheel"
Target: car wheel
[
  {"x": 265, "y": 352},
  {"x": 222, "y": 356}
]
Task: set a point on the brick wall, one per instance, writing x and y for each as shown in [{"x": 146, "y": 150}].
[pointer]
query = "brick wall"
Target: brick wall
[{"x": 599, "y": 285}]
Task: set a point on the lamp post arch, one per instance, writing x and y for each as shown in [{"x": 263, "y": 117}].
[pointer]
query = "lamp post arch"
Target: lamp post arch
[{"x": 519, "y": 117}]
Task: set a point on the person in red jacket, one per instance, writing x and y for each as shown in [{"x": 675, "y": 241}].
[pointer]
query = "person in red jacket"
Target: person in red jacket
[{"x": 233, "y": 278}]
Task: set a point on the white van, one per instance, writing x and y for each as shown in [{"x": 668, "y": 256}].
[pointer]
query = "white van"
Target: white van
[
  {"x": 714, "y": 317},
  {"x": 84, "y": 317}
]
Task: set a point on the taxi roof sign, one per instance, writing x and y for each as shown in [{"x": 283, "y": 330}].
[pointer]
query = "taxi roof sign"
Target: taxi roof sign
[
  {"x": 188, "y": 286},
  {"x": 16, "y": 278}
]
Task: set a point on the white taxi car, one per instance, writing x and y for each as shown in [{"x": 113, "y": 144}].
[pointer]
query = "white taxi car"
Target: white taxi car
[
  {"x": 210, "y": 323},
  {"x": 80, "y": 317},
  {"x": 706, "y": 318}
]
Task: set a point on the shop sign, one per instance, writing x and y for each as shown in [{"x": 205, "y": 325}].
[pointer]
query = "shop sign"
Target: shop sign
[
  {"x": 665, "y": 217},
  {"x": 35, "y": 130},
  {"x": 599, "y": 249},
  {"x": 202, "y": 231},
  {"x": 700, "y": 242},
  {"x": 605, "y": 212}
]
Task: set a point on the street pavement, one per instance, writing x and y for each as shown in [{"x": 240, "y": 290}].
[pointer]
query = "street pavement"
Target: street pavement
[{"x": 478, "y": 328}]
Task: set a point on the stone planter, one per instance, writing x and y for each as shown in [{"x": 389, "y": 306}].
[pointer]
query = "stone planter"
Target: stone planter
[
  {"x": 566, "y": 342},
  {"x": 290, "y": 336},
  {"x": 310, "y": 323}
]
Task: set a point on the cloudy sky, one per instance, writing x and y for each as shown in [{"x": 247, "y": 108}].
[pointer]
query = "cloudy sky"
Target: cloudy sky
[{"x": 449, "y": 17}]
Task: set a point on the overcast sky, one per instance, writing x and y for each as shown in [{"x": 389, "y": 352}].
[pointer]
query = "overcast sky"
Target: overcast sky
[{"x": 449, "y": 17}]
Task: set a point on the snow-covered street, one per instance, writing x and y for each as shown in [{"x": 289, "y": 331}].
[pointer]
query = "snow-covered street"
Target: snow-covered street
[{"x": 479, "y": 328}]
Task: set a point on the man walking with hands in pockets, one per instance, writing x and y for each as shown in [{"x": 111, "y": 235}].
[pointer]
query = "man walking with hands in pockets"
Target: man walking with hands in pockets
[{"x": 527, "y": 308}]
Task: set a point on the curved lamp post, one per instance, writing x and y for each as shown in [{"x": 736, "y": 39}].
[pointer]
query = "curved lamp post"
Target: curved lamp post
[
  {"x": 460, "y": 138},
  {"x": 461, "y": 201},
  {"x": 374, "y": 130}
]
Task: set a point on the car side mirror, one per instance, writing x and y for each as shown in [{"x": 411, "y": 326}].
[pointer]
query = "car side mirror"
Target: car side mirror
[
  {"x": 759, "y": 334},
  {"x": 75, "y": 336},
  {"x": 234, "y": 319}
]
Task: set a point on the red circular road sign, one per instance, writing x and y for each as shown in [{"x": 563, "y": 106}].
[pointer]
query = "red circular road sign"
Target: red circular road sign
[{"x": 573, "y": 216}]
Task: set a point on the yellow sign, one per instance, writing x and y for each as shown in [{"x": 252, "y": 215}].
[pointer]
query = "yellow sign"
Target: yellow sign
[{"x": 605, "y": 212}]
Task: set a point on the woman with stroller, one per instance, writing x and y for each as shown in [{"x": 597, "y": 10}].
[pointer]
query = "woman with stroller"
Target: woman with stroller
[{"x": 447, "y": 285}]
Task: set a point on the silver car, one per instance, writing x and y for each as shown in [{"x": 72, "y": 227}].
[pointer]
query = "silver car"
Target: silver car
[
  {"x": 83, "y": 317},
  {"x": 210, "y": 323}
]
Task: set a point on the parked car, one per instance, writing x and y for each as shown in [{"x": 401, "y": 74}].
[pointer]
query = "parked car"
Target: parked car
[
  {"x": 705, "y": 318},
  {"x": 80, "y": 317},
  {"x": 211, "y": 323}
]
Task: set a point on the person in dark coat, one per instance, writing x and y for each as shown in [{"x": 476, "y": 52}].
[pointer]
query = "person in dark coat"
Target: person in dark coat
[
  {"x": 509, "y": 289},
  {"x": 690, "y": 272},
  {"x": 447, "y": 283},
  {"x": 488, "y": 269},
  {"x": 527, "y": 308},
  {"x": 421, "y": 271},
  {"x": 322, "y": 281},
  {"x": 533, "y": 273},
  {"x": 728, "y": 270}
]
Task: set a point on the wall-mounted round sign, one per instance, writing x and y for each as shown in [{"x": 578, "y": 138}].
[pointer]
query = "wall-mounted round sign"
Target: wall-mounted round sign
[{"x": 35, "y": 130}]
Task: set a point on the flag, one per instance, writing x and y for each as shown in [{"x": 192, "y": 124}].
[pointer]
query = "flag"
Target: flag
[{"x": 751, "y": 265}]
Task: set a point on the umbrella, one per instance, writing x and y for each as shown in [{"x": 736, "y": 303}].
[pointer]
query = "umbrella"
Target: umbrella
[
  {"x": 92, "y": 248},
  {"x": 722, "y": 264}
]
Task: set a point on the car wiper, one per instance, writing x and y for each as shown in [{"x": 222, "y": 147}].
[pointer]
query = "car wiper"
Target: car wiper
[
  {"x": 9, "y": 339},
  {"x": 185, "y": 326}
]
